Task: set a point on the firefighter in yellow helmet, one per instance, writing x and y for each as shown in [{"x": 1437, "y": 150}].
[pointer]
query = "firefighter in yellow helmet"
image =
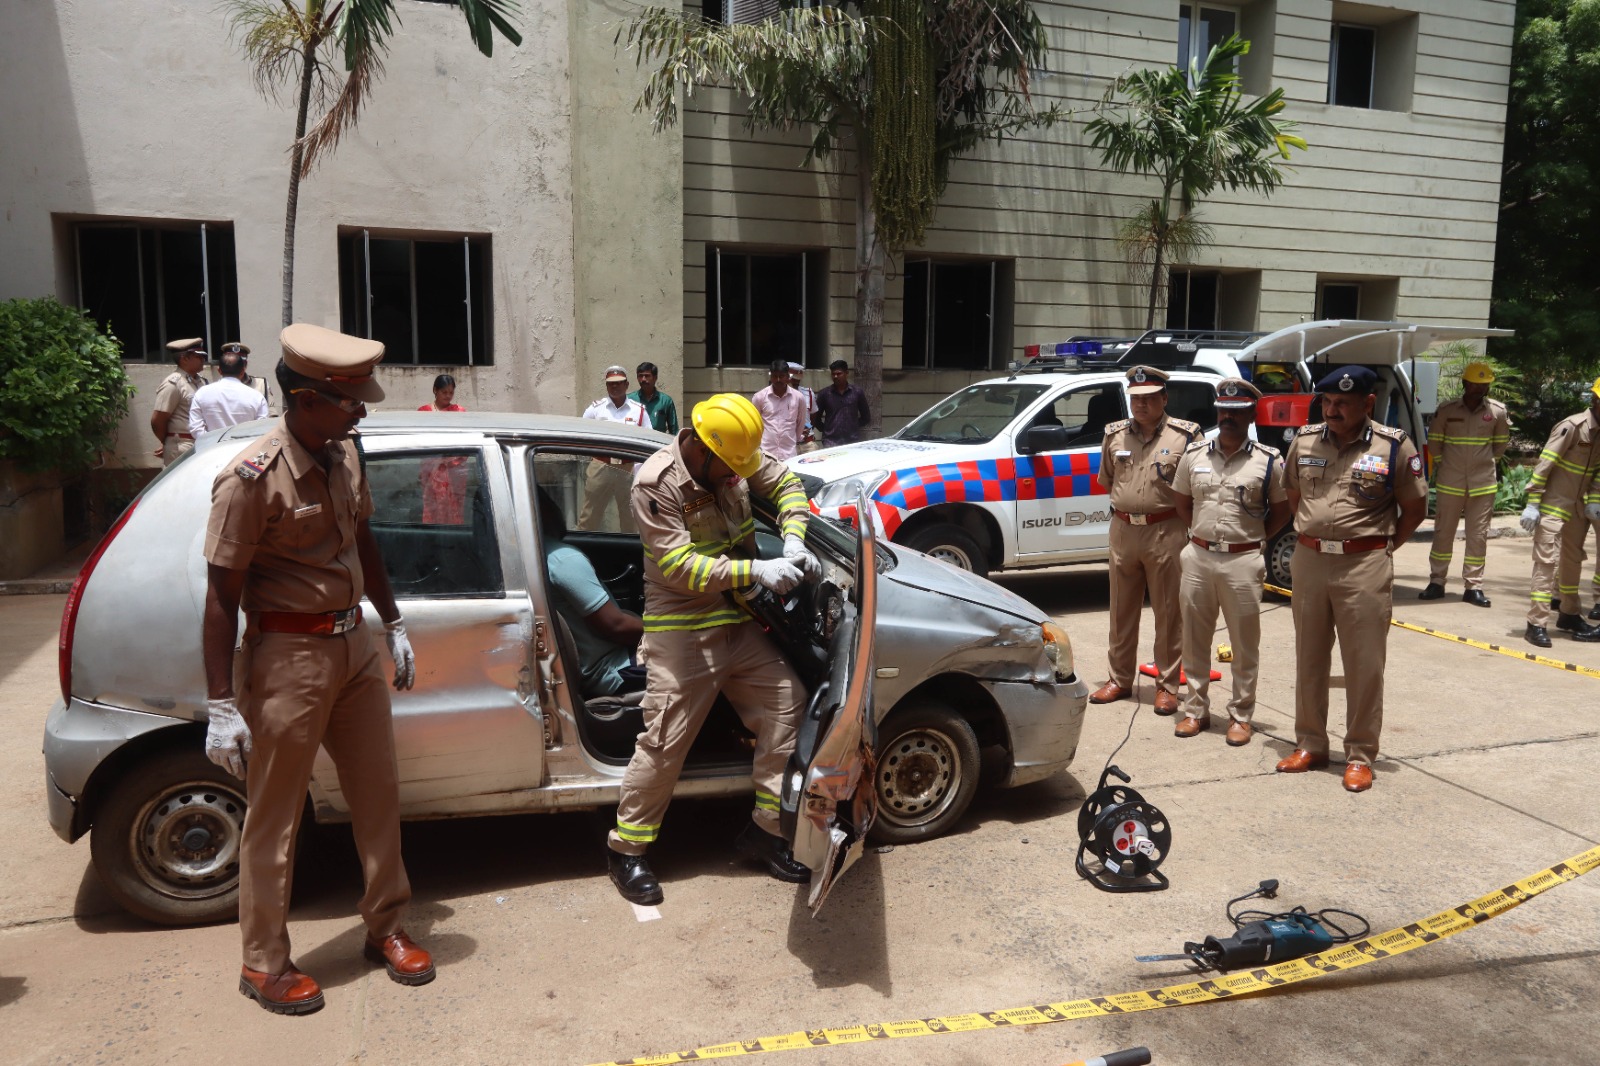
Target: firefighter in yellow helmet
[
  {"x": 1469, "y": 436},
  {"x": 691, "y": 501}
]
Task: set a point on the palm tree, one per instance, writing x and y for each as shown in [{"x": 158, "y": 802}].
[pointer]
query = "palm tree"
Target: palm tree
[
  {"x": 1192, "y": 130},
  {"x": 913, "y": 83},
  {"x": 298, "y": 45}
]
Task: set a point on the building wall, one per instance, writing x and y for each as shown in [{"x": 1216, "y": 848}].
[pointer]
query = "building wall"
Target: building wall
[
  {"x": 145, "y": 110},
  {"x": 1405, "y": 198}
]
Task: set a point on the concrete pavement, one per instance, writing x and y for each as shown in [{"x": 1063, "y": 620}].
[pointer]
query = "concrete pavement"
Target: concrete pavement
[{"x": 1486, "y": 776}]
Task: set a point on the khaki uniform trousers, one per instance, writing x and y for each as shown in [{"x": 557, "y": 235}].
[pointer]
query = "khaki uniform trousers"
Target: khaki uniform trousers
[
  {"x": 1557, "y": 566},
  {"x": 604, "y": 484},
  {"x": 1350, "y": 596},
  {"x": 687, "y": 668},
  {"x": 1146, "y": 557},
  {"x": 1214, "y": 581},
  {"x": 175, "y": 448},
  {"x": 1449, "y": 511},
  {"x": 300, "y": 691}
]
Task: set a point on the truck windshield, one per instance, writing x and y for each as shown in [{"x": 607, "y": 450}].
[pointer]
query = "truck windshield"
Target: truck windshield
[{"x": 975, "y": 415}]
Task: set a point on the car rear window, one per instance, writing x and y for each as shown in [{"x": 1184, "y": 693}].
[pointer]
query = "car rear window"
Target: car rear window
[{"x": 434, "y": 520}]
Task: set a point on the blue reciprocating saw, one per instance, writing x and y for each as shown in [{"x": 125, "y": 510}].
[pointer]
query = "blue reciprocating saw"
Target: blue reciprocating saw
[{"x": 1260, "y": 939}]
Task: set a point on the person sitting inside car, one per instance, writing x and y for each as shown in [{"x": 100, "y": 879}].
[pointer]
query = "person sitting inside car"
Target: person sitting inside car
[{"x": 606, "y": 636}]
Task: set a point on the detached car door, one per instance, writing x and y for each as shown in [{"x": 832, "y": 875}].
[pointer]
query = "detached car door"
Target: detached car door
[
  {"x": 828, "y": 802},
  {"x": 470, "y": 730}
]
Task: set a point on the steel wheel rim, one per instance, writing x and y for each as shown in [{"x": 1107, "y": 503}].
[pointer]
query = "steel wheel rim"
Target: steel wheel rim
[
  {"x": 166, "y": 860},
  {"x": 917, "y": 777},
  {"x": 949, "y": 553}
]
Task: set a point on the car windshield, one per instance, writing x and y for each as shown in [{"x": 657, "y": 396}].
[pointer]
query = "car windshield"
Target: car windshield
[{"x": 974, "y": 415}]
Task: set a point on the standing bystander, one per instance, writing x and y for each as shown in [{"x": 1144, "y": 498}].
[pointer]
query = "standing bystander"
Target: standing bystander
[
  {"x": 227, "y": 401},
  {"x": 174, "y": 399},
  {"x": 783, "y": 413},
  {"x": 657, "y": 404},
  {"x": 842, "y": 408},
  {"x": 610, "y": 480}
]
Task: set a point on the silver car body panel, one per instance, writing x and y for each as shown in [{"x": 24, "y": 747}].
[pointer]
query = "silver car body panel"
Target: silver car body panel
[{"x": 491, "y": 725}]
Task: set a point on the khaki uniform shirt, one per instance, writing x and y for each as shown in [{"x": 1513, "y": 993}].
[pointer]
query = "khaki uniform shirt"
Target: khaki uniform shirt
[
  {"x": 292, "y": 524},
  {"x": 1232, "y": 493},
  {"x": 1352, "y": 491},
  {"x": 174, "y": 397},
  {"x": 699, "y": 543},
  {"x": 1563, "y": 478},
  {"x": 1468, "y": 443},
  {"x": 1139, "y": 471}
]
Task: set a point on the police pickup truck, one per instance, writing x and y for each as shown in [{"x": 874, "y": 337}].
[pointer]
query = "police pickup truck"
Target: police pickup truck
[{"x": 1003, "y": 473}]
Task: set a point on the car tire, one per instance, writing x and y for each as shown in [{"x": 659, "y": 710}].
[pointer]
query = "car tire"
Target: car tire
[
  {"x": 166, "y": 839},
  {"x": 952, "y": 544},
  {"x": 927, "y": 773},
  {"x": 1280, "y": 550}
]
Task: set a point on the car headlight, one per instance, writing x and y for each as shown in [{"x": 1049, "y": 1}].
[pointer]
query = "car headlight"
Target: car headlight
[
  {"x": 1058, "y": 646},
  {"x": 839, "y": 493}
]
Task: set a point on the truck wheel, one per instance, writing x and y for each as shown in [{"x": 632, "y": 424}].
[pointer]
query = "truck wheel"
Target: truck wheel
[
  {"x": 927, "y": 773},
  {"x": 166, "y": 839},
  {"x": 1279, "y": 552},
  {"x": 951, "y": 544}
]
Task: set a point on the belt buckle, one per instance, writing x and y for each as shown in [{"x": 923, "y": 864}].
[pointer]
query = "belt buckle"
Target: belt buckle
[
  {"x": 1333, "y": 547},
  {"x": 1138, "y": 520},
  {"x": 345, "y": 621},
  {"x": 1217, "y": 546}
]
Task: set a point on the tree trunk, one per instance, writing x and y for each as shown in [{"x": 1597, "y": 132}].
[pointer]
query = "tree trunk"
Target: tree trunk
[
  {"x": 296, "y": 156},
  {"x": 869, "y": 293},
  {"x": 1155, "y": 277}
]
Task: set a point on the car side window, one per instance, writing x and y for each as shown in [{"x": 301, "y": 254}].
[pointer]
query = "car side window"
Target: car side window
[
  {"x": 434, "y": 520},
  {"x": 1084, "y": 413},
  {"x": 1193, "y": 400}
]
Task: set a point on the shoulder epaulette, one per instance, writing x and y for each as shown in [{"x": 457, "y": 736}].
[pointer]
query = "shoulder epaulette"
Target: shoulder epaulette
[
  {"x": 601, "y": 400},
  {"x": 1306, "y": 431},
  {"x": 257, "y": 458},
  {"x": 1118, "y": 427},
  {"x": 1270, "y": 450},
  {"x": 651, "y": 470},
  {"x": 1201, "y": 443},
  {"x": 1391, "y": 432}
]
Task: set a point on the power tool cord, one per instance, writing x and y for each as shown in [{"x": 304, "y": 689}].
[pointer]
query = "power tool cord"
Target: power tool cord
[{"x": 1269, "y": 890}]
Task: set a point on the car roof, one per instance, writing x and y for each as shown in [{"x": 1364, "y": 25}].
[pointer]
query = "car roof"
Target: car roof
[
  {"x": 1097, "y": 374},
  {"x": 1357, "y": 341},
  {"x": 477, "y": 423}
]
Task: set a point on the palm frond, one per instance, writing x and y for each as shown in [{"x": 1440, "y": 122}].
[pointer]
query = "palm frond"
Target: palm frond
[
  {"x": 342, "y": 116},
  {"x": 1147, "y": 231},
  {"x": 272, "y": 35}
]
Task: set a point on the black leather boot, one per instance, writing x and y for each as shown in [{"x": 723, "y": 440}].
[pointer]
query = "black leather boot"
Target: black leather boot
[
  {"x": 1475, "y": 597},
  {"x": 634, "y": 878},
  {"x": 758, "y": 844},
  {"x": 1434, "y": 591},
  {"x": 1536, "y": 635}
]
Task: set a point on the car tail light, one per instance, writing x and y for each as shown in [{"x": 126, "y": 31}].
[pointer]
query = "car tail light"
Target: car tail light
[{"x": 69, "y": 614}]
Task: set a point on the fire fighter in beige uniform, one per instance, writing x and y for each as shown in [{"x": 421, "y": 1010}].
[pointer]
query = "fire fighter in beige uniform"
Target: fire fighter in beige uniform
[
  {"x": 1470, "y": 435},
  {"x": 1562, "y": 501},
  {"x": 1138, "y": 461},
  {"x": 1229, "y": 493},
  {"x": 170, "y": 419},
  {"x": 1358, "y": 491},
  {"x": 691, "y": 501},
  {"x": 289, "y": 541}
]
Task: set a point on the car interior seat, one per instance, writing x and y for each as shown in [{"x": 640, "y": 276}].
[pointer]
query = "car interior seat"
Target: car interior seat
[
  {"x": 609, "y": 723},
  {"x": 1103, "y": 410}
]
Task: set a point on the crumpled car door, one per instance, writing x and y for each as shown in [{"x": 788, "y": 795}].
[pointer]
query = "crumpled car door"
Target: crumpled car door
[{"x": 828, "y": 801}]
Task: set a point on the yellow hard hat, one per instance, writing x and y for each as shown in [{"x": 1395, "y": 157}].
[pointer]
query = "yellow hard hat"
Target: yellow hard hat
[
  {"x": 1477, "y": 373},
  {"x": 1595, "y": 388},
  {"x": 731, "y": 427}
]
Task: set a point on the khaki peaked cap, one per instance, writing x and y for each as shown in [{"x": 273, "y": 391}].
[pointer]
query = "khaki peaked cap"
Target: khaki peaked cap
[
  {"x": 197, "y": 343},
  {"x": 342, "y": 362},
  {"x": 1145, "y": 380},
  {"x": 1236, "y": 393}
]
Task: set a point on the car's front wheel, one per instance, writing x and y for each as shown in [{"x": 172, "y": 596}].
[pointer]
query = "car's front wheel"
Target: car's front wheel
[
  {"x": 166, "y": 839},
  {"x": 927, "y": 773},
  {"x": 1280, "y": 550},
  {"x": 952, "y": 544}
]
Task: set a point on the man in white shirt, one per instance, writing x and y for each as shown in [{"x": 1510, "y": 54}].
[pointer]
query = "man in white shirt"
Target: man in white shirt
[
  {"x": 783, "y": 413},
  {"x": 228, "y": 400},
  {"x": 610, "y": 481}
]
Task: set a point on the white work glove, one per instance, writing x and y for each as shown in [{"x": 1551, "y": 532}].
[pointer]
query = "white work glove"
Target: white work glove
[
  {"x": 1530, "y": 516},
  {"x": 795, "y": 550},
  {"x": 405, "y": 661},
  {"x": 227, "y": 737},
  {"x": 1591, "y": 511},
  {"x": 779, "y": 575}
]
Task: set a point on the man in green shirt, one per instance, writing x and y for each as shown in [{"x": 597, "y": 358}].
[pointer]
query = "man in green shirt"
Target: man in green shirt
[{"x": 657, "y": 404}]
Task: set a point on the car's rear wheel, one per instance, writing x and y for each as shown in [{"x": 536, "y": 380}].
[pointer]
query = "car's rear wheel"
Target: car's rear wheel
[
  {"x": 952, "y": 544},
  {"x": 166, "y": 839},
  {"x": 927, "y": 773},
  {"x": 1279, "y": 552}
]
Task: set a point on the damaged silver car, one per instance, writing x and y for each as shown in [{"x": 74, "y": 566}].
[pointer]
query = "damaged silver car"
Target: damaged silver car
[{"x": 914, "y": 668}]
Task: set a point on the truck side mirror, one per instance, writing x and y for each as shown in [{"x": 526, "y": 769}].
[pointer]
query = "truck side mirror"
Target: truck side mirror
[{"x": 1045, "y": 439}]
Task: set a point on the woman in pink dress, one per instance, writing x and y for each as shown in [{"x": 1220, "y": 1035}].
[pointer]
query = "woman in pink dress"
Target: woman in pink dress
[{"x": 444, "y": 481}]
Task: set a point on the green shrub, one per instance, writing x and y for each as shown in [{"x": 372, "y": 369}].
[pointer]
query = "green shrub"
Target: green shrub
[
  {"x": 62, "y": 387},
  {"x": 1512, "y": 495}
]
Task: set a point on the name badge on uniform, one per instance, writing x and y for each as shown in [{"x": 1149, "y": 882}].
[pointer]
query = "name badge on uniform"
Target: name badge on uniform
[
  {"x": 1123, "y": 456},
  {"x": 1309, "y": 460},
  {"x": 308, "y": 510},
  {"x": 1202, "y": 470}
]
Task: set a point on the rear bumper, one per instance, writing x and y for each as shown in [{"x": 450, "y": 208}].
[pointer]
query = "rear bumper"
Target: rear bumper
[
  {"x": 78, "y": 738},
  {"x": 1045, "y": 722}
]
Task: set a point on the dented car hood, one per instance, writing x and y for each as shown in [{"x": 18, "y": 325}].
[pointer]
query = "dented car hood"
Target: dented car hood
[{"x": 917, "y": 571}]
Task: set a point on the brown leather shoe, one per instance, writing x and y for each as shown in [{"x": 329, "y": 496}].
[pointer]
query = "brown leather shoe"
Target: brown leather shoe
[
  {"x": 289, "y": 992},
  {"x": 405, "y": 961},
  {"x": 1357, "y": 777},
  {"x": 1166, "y": 703},
  {"x": 1110, "y": 692},
  {"x": 1191, "y": 727},
  {"x": 1239, "y": 734},
  {"x": 1300, "y": 762}
]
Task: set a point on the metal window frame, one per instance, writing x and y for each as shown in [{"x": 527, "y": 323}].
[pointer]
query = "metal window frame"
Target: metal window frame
[
  {"x": 1372, "y": 66},
  {"x": 139, "y": 230},
  {"x": 411, "y": 269}
]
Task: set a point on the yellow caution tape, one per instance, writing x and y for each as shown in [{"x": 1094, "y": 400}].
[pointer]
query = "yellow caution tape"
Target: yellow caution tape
[
  {"x": 1334, "y": 960},
  {"x": 1514, "y": 653}
]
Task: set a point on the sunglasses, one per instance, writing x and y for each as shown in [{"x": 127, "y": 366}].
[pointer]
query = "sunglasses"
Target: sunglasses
[{"x": 343, "y": 403}]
